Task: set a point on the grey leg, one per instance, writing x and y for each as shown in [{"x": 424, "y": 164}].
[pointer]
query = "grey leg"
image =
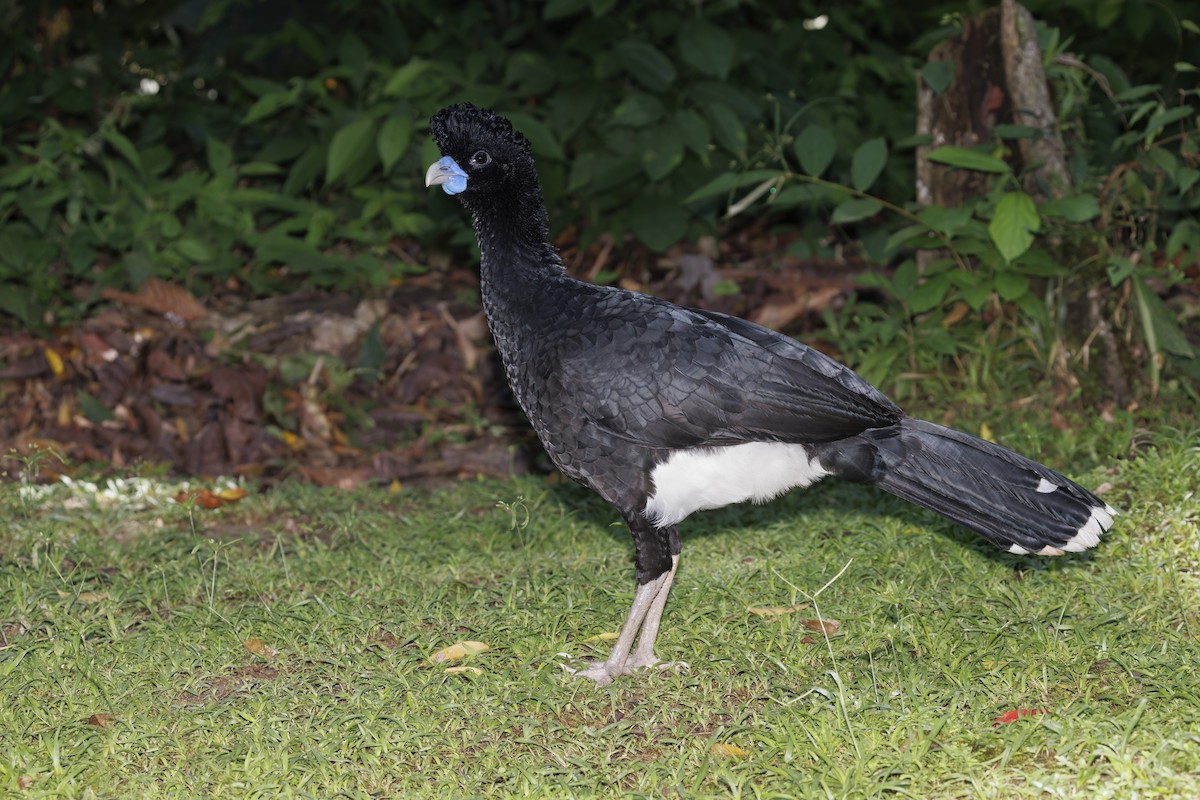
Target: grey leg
[
  {"x": 643, "y": 656},
  {"x": 648, "y": 603}
]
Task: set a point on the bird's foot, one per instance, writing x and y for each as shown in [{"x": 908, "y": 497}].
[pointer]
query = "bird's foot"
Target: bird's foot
[
  {"x": 598, "y": 671},
  {"x": 602, "y": 673},
  {"x": 636, "y": 662}
]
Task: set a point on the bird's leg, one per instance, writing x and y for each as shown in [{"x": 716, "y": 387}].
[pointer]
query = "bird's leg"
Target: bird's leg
[
  {"x": 644, "y": 602},
  {"x": 658, "y": 555},
  {"x": 643, "y": 656}
]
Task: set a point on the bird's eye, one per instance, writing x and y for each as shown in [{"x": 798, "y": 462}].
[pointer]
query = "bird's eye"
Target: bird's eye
[{"x": 481, "y": 159}]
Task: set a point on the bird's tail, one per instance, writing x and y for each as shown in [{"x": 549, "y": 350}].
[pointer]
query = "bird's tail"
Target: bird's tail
[{"x": 1013, "y": 502}]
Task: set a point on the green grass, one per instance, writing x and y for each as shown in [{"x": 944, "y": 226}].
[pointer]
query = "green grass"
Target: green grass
[{"x": 125, "y": 669}]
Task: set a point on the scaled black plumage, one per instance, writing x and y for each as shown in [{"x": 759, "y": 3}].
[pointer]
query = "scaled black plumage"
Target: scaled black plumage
[{"x": 664, "y": 410}]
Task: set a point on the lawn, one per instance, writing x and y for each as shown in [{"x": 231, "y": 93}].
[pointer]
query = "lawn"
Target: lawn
[{"x": 839, "y": 643}]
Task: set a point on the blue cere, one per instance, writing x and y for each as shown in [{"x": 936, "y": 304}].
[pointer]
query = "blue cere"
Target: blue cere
[{"x": 449, "y": 174}]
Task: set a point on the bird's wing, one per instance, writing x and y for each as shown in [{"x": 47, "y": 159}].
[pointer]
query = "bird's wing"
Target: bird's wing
[{"x": 670, "y": 377}]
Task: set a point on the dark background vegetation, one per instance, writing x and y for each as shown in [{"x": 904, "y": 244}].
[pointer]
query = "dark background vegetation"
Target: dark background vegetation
[{"x": 246, "y": 150}]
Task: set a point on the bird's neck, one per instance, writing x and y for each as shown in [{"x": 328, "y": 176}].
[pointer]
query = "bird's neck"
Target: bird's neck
[{"x": 514, "y": 242}]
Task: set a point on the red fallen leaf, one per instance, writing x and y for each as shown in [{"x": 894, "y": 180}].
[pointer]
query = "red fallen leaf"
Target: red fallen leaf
[
  {"x": 209, "y": 499},
  {"x": 1016, "y": 714}
]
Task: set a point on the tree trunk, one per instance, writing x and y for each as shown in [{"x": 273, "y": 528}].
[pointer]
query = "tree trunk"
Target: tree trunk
[{"x": 998, "y": 78}]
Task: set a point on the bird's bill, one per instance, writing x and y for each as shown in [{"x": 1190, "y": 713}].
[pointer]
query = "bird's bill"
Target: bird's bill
[{"x": 446, "y": 172}]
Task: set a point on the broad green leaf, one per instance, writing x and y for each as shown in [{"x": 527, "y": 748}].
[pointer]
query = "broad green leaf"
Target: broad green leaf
[
  {"x": 854, "y": 210},
  {"x": 968, "y": 159},
  {"x": 1079, "y": 208},
  {"x": 869, "y": 160},
  {"x": 727, "y": 128},
  {"x": 646, "y": 63},
  {"x": 815, "y": 147},
  {"x": 1158, "y": 323},
  {"x": 1167, "y": 117},
  {"x": 945, "y": 220},
  {"x": 903, "y": 235},
  {"x": 1011, "y": 285},
  {"x": 123, "y": 146},
  {"x": 1016, "y": 132},
  {"x": 305, "y": 171},
  {"x": 929, "y": 295},
  {"x": 403, "y": 79},
  {"x": 637, "y": 110},
  {"x": 800, "y": 193},
  {"x": 220, "y": 155},
  {"x": 728, "y": 181},
  {"x": 1119, "y": 268},
  {"x": 349, "y": 146},
  {"x": 694, "y": 132},
  {"x": 1185, "y": 233},
  {"x": 394, "y": 136},
  {"x": 1013, "y": 225},
  {"x": 195, "y": 250},
  {"x": 1164, "y": 160},
  {"x": 541, "y": 138},
  {"x": 938, "y": 75},
  {"x": 661, "y": 150},
  {"x": 707, "y": 47},
  {"x": 272, "y": 103},
  {"x": 658, "y": 222},
  {"x": 1187, "y": 178},
  {"x": 904, "y": 280}
]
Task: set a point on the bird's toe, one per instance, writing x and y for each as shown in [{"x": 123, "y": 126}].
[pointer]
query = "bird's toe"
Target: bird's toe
[{"x": 597, "y": 671}]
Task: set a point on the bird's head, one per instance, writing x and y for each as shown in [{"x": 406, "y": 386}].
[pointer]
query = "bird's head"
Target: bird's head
[{"x": 481, "y": 153}]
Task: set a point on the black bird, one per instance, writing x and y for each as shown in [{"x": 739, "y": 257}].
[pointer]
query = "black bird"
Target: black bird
[{"x": 664, "y": 410}]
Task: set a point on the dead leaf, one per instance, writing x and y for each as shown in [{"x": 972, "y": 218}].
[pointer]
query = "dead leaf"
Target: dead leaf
[
  {"x": 829, "y": 627},
  {"x": 457, "y": 651},
  {"x": 728, "y": 750},
  {"x": 100, "y": 720},
  {"x": 469, "y": 670},
  {"x": 956, "y": 314},
  {"x": 601, "y": 637},
  {"x": 260, "y": 648},
  {"x": 161, "y": 298}
]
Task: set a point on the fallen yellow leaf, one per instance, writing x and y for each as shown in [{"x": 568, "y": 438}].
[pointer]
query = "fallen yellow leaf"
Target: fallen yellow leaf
[
  {"x": 456, "y": 651},
  {"x": 601, "y": 637},
  {"x": 293, "y": 441},
  {"x": 54, "y": 360},
  {"x": 778, "y": 611},
  {"x": 469, "y": 670},
  {"x": 260, "y": 648},
  {"x": 956, "y": 314},
  {"x": 728, "y": 750},
  {"x": 985, "y": 432}
]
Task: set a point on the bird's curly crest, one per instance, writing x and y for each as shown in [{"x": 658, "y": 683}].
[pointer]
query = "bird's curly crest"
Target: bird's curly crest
[{"x": 463, "y": 123}]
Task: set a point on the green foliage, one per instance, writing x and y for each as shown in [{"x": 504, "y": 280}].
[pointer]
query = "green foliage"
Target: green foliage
[
  {"x": 255, "y": 146},
  {"x": 1129, "y": 223}
]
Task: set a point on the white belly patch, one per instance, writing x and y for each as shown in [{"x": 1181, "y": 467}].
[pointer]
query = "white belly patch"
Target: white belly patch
[{"x": 693, "y": 480}]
